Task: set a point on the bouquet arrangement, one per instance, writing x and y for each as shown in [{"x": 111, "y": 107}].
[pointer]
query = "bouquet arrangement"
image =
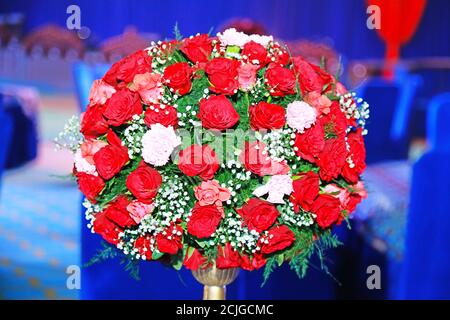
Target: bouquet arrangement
[{"x": 220, "y": 151}]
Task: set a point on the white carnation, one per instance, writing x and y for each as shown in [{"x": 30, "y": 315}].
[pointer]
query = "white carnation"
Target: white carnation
[
  {"x": 277, "y": 187},
  {"x": 232, "y": 37},
  {"x": 262, "y": 40},
  {"x": 300, "y": 115},
  {"x": 158, "y": 144}
]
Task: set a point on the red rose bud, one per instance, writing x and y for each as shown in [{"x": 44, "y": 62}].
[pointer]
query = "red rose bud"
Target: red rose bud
[
  {"x": 332, "y": 159},
  {"x": 121, "y": 107},
  {"x": 267, "y": 116},
  {"x": 327, "y": 209},
  {"x": 198, "y": 48},
  {"x": 309, "y": 144},
  {"x": 227, "y": 257},
  {"x": 165, "y": 115},
  {"x": 252, "y": 263},
  {"x": 204, "y": 220},
  {"x": 90, "y": 185},
  {"x": 106, "y": 228},
  {"x": 357, "y": 157},
  {"x": 223, "y": 75},
  {"x": 306, "y": 190},
  {"x": 169, "y": 241},
  {"x": 217, "y": 112},
  {"x": 178, "y": 77},
  {"x": 258, "y": 214},
  {"x": 125, "y": 69},
  {"x": 143, "y": 245},
  {"x": 118, "y": 213},
  {"x": 198, "y": 161},
  {"x": 93, "y": 124},
  {"x": 255, "y": 52},
  {"x": 280, "y": 81},
  {"x": 144, "y": 183},
  {"x": 278, "y": 238}
]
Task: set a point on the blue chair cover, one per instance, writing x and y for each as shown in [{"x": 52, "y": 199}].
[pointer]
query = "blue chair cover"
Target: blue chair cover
[
  {"x": 6, "y": 129},
  {"x": 390, "y": 108},
  {"x": 426, "y": 266}
]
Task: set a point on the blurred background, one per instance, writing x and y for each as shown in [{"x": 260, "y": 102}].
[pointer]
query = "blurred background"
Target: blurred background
[{"x": 402, "y": 70}]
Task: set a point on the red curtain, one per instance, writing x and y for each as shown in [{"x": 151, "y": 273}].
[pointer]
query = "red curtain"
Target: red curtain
[{"x": 399, "y": 21}]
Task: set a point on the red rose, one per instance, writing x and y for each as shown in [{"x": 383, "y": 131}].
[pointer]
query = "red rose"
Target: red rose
[
  {"x": 106, "y": 228},
  {"x": 335, "y": 122},
  {"x": 310, "y": 77},
  {"x": 143, "y": 245},
  {"x": 144, "y": 183},
  {"x": 327, "y": 209},
  {"x": 255, "y": 51},
  {"x": 227, "y": 257},
  {"x": 198, "y": 161},
  {"x": 306, "y": 190},
  {"x": 204, "y": 220},
  {"x": 121, "y": 107},
  {"x": 178, "y": 77},
  {"x": 125, "y": 69},
  {"x": 332, "y": 159},
  {"x": 217, "y": 112},
  {"x": 193, "y": 259},
  {"x": 90, "y": 185},
  {"x": 280, "y": 81},
  {"x": 118, "y": 213},
  {"x": 279, "y": 238},
  {"x": 93, "y": 124},
  {"x": 256, "y": 161},
  {"x": 309, "y": 144},
  {"x": 166, "y": 117},
  {"x": 280, "y": 56},
  {"x": 267, "y": 116},
  {"x": 223, "y": 75},
  {"x": 357, "y": 154},
  {"x": 254, "y": 263},
  {"x": 258, "y": 214},
  {"x": 110, "y": 159},
  {"x": 169, "y": 241},
  {"x": 198, "y": 48}
]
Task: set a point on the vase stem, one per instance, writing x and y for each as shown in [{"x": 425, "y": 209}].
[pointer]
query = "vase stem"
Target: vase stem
[{"x": 214, "y": 292}]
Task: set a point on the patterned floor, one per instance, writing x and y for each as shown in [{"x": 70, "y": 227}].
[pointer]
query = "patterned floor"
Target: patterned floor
[{"x": 39, "y": 217}]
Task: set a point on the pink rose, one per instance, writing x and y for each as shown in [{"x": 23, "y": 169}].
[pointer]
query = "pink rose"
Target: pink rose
[
  {"x": 247, "y": 75},
  {"x": 340, "y": 89},
  {"x": 342, "y": 194},
  {"x": 89, "y": 148},
  {"x": 319, "y": 101},
  {"x": 100, "y": 92},
  {"x": 210, "y": 192},
  {"x": 139, "y": 210},
  {"x": 149, "y": 87}
]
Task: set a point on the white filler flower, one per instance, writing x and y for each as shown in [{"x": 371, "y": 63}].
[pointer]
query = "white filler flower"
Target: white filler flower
[{"x": 158, "y": 144}]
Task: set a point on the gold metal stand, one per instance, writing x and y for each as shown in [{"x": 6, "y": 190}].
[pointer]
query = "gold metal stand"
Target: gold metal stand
[{"x": 215, "y": 281}]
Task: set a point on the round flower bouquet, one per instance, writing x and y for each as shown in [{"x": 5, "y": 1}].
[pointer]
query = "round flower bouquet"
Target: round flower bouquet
[{"x": 220, "y": 152}]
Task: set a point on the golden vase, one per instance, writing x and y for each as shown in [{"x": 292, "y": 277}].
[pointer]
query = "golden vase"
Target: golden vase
[{"x": 215, "y": 281}]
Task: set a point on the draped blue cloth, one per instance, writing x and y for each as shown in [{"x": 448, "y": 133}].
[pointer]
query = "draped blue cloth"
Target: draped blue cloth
[
  {"x": 342, "y": 24},
  {"x": 427, "y": 262}
]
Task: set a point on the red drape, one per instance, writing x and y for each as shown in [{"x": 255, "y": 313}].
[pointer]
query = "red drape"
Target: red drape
[{"x": 399, "y": 21}]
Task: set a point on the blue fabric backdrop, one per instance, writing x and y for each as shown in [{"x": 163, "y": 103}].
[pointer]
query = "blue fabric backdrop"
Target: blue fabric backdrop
[{"x": 342, "y": 24}]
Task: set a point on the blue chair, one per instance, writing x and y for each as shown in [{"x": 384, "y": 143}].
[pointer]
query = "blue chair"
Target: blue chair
[
  {"x": 6, "y": 129},
  {"x": 426, "y": 268},
  {"x": 390, "y": 109}
]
